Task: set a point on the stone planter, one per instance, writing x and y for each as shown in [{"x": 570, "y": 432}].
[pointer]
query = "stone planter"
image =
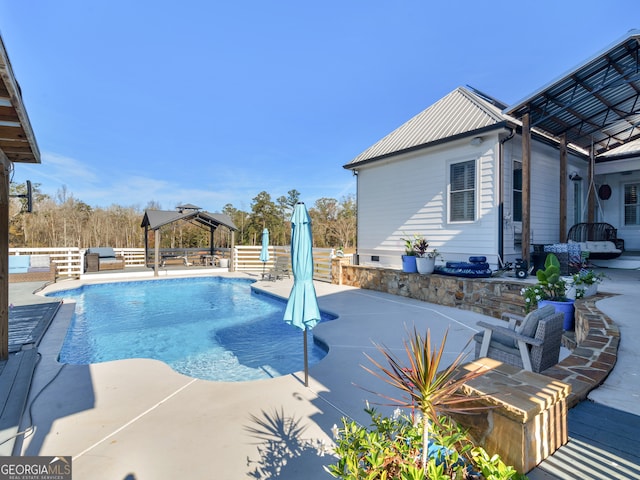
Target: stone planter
[{"x": 425, "y": 265}]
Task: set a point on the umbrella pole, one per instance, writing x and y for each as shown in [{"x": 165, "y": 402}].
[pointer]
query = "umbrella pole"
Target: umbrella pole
[{"x": 306, "y": 361}]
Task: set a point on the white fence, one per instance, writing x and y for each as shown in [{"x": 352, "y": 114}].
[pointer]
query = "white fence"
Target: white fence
[
  {"x": 247, "y": 259},
  {"x": 70, "y": 261},
  {"x": 133, "y": 257}
]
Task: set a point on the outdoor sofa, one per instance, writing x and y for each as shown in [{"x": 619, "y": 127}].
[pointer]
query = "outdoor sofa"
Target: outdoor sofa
[
  {"x": 31, "y": 268},
  {"x": 102, "y": 258},
  {"x": 599, "y": 239}
]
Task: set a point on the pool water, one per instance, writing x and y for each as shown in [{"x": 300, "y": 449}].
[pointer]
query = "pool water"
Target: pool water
[{"x": 209, "y": 328}]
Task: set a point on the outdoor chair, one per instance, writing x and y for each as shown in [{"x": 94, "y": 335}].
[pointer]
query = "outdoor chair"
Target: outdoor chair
[
  {"x": 280, "y": 269},
  {"x": 532, "y": 342}
]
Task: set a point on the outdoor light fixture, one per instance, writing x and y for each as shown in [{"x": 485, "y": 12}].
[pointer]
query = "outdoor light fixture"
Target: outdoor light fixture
[
  {"x": 575, "y": 176},
  {"x": 475, "y": 141}
]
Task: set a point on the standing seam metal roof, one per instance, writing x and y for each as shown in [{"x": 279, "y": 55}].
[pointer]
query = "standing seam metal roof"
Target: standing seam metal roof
[
  {"x": 597, "y": 102},
  {"x": 459, "y": 112},
  {"x": 155, "y": 219}
]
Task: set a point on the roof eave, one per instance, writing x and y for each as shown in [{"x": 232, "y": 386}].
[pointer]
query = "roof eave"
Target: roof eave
[{"x": 21, "y": 147}]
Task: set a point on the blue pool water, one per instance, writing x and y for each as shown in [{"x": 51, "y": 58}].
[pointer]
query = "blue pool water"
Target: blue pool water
[{"x": 209, "y": 328}]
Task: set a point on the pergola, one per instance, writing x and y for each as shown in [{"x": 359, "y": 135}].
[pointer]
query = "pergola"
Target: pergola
[
  {"x": 153, "y": 220},
  {"x": 17, "y": 144},
  {"x": 594, "y": 108}
]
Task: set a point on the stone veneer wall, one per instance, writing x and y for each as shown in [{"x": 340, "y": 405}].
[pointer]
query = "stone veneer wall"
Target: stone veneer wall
[
  {"x": 489, "y": 296},
  {"x": 594, "y": 344}
]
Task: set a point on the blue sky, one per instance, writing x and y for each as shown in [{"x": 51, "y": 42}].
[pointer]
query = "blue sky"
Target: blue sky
[{"x": 212, "y": 102}]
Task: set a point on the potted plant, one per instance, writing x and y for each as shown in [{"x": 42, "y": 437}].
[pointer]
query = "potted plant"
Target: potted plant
[
  {"x": 424, "y": 262},
  {"x": 550, "y": 289},
  {"x": 409, "y": 257},
  {"x": 428, "y": 261},
  {"x": 585, "y": 283}
]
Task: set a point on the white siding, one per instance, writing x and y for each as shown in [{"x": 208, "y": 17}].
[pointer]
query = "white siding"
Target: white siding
[
  {"x": 616, "y": 174},
  {"x": 408, "y": 195},
  {"x": 545, "y": 193}
]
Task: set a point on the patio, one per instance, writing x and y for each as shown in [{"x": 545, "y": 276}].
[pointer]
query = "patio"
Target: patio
[{"x": 139, "y": 419}]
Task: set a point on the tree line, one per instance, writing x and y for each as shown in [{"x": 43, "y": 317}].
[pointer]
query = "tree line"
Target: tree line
[{"x": 66, "y": 221}]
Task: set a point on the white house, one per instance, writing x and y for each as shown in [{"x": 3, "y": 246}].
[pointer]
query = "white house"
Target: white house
[{"x": 476, "y": 177}]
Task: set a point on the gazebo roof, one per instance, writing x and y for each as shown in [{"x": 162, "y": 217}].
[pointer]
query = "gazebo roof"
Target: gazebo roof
[{"x": 154, "y": 219}]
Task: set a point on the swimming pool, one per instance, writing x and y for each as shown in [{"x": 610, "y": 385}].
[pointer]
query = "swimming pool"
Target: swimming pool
[{"x": 210, "y": 328}]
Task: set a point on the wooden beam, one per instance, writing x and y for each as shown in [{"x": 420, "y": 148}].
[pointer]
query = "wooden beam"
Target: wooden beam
[
  {"x": 526, "y": 187},
  {"x": 591, "y": 191},
  {"x": 4, "y": 261},
  {"x": 562, "y": 234}
]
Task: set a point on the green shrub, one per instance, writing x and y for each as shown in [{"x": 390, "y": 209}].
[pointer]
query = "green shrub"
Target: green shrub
[{"x": 391, "y": 448}]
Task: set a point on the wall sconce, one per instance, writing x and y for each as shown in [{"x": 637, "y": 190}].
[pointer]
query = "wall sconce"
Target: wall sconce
[
  {"x": 475, "y": 141},
  {"x": 575, "y": 176}
]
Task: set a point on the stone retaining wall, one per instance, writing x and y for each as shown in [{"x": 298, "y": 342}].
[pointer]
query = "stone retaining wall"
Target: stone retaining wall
[
  {"x": 594, "y": 343},
  {"x": 489, "y": 296}
]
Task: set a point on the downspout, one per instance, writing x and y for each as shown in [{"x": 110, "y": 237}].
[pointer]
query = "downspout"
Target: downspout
[
  {"x": 356, "y": 258},
  {"x": 501, "y": 194}
]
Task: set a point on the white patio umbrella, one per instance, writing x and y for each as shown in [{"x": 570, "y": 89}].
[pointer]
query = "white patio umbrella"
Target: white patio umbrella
[{"x": 302, "y": 307}]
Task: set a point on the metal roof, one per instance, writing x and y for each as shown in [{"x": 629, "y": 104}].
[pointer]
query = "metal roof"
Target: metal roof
[
  {"x": 17, "y": 140},
  {"x": 460, "y": 113},
  {"x": 154, "y": 219},
  {"x": 597, "y": 102}
]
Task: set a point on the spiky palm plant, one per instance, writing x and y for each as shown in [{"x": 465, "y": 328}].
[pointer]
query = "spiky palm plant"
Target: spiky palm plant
[{"x": 431, "y": 391}]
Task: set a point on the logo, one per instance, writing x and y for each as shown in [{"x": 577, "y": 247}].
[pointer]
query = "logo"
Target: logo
[{"x": 35, "y": 468}]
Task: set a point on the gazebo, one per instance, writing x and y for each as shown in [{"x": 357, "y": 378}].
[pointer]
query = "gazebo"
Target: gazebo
[{"x": 153, "y": 220}]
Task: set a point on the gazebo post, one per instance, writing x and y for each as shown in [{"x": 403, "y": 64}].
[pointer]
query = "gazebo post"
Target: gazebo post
[{"x": 156, "y": 257}]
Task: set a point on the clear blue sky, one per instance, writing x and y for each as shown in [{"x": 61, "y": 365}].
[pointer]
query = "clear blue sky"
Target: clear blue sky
[{"x": 211, "y": 102}]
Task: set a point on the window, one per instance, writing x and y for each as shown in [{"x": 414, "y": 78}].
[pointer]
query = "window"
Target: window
[
  {"x": 577, "y": 201},
  {"x": 631, "y": 204},
  {"x": 462, "y": 195},
  {"x": 517, "y": 191}
]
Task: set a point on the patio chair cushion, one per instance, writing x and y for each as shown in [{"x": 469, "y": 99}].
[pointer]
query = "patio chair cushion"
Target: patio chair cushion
[
  {"x": 19, "y": 263},
  {"x": 103, "y": 252},
  {"x": 40, "y": 263},
  {"x": 529, "y": 325}
]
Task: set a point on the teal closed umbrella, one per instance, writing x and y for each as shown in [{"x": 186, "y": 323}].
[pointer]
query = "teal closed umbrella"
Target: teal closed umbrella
[
  {"x": 302, "y": 307},
  {"x": 264, "y": 252}
]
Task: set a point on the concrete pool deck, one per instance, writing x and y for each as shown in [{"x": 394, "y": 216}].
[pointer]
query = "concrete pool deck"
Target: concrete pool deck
[{"x": 138, "y": 419}]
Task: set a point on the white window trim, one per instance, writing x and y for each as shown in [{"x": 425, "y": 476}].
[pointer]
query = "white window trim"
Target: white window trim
[
  {"x": 476, "y": 189},
  {"x": 624, "y": 205}
]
